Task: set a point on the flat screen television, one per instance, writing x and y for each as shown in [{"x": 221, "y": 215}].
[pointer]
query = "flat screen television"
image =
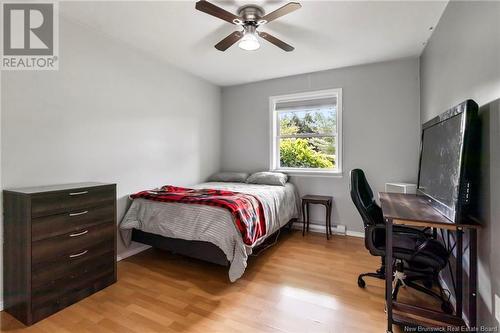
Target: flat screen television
[{"x": 449, "y": 170}]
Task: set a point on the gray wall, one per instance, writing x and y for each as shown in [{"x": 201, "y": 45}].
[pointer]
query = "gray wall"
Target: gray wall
[
  {"x": 380, "y": 128},
  {"x": 110, "y": 114},
  {"x": 461, "y": 61}
]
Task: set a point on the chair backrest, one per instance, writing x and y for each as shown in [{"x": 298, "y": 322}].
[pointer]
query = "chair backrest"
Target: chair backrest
[{"x": 362, "y": 197}]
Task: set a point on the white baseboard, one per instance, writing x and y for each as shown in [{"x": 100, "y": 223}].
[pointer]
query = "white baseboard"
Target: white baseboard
[
  {"x": 132, "y": 251},
  {"x": 336, "y": 229},
  {"x": 358, "y": 234}
]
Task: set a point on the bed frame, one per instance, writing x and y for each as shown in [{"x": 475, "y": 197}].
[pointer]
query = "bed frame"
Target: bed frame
[{"x": 201, "y": 250}]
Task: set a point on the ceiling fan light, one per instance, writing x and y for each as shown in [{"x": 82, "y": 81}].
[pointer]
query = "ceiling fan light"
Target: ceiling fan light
[{"x": 249, "y": 42}]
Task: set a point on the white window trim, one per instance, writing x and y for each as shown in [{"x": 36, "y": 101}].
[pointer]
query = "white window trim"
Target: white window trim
[{"x": 273, "y": 100}]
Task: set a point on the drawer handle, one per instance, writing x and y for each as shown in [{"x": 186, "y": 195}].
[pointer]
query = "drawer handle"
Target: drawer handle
[
  {"x": 78, "y": 214},
  {"x": 78, "y": 254},
  {"x": 79, "y": 193},
  {"x": 79, "y": 233}
]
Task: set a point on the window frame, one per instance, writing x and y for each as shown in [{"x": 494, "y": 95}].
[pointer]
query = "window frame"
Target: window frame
[{"x": 274, "y": 130}]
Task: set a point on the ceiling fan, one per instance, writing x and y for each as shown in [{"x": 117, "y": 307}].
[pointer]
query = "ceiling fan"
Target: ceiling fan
[{"x": 250, "y": 17}]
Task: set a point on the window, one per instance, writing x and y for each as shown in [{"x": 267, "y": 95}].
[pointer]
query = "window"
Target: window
[{"x": 307, "y": 132}]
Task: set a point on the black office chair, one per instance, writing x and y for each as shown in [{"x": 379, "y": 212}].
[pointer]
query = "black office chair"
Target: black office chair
[{"x": 417, "y": 254}]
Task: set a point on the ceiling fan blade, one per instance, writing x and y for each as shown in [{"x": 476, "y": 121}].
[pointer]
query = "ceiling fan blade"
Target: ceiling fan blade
[
  {"x": 286, "y": 9},
  {"x": 278, "y": 42},
  {"x": 218, "y": 12},
  {"x": 224, "y": 44}
]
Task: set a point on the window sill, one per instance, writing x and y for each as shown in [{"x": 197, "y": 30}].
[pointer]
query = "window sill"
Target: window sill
[{"x": 310, "y": 173}]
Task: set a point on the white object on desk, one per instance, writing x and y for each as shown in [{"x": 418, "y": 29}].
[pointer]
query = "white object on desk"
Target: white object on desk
[{"x": 405, "y": 188}]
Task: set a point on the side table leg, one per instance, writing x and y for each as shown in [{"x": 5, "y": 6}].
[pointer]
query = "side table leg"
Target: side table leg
[
  {"x": 330, "y": 218},
  {"x": 327, "y": 223},
  {"x": 307, "y": 214},
  {"x": 303, "y": 219}
]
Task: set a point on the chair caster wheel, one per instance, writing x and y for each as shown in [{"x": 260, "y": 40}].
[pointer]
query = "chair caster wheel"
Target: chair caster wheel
[
  {"x": 447, "y": 307},
  {"x": 361, "y": 283}
]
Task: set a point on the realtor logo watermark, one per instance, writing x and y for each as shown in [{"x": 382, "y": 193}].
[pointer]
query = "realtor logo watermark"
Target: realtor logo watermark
[{"x": 30, "y": 36}]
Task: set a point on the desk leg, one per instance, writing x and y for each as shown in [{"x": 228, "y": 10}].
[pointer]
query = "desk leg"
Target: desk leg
[
  {"x": 473, "y": 277},
  {"x": 388, "y": 273},
  {"x": 459, "y": 272}
]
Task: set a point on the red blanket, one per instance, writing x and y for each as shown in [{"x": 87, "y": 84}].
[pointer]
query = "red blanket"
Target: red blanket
[{"x": 246, "y": 209}]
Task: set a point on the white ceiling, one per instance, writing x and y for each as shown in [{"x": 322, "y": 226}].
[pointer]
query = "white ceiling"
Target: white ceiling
[{"x": 326, "y": 34}]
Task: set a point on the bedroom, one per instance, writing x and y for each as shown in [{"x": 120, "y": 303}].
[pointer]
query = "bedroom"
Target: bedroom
[{"x": 141, "y": 98}]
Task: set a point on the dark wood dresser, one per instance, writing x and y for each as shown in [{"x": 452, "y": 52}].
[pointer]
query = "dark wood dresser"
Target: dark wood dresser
[{"x": 59, "y": 246}]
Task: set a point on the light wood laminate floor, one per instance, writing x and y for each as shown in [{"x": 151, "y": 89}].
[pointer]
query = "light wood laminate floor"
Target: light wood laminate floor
[{"x": 302, "y": 284}]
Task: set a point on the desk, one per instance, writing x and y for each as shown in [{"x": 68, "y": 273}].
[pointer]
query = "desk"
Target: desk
[{"x": 414, "y": 210}]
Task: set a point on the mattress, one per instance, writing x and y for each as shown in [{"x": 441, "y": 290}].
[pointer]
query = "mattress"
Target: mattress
[{"x": 214, "y": 224}]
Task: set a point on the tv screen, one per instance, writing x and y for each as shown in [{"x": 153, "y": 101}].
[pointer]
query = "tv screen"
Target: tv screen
[{"x": 447, "y": 163}]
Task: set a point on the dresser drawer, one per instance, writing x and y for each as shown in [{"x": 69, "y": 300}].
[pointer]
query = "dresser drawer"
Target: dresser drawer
[
  {"x": 46, "y": 273},
  {"x": 71, "y": 295},
  {"x": 73, "y": 245},
  {"x": 74, "y": 278},
  {"x": 70, "y": 201},
  {"x": 73, "y": 222}
]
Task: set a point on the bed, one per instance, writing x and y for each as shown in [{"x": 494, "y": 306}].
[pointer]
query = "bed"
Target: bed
[{"x": 207, "y": 232}]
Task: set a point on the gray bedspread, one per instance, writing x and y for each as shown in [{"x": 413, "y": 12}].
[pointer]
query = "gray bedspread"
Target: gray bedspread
[{"x": 214, "y": 224}]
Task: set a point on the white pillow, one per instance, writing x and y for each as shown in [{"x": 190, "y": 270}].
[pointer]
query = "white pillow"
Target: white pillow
[
  {"x": 268, "y": 178},
  {"x": 228, "y": 177}
]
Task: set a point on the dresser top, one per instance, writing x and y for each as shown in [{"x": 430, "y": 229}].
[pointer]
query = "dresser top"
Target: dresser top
[{"x": 53, "y": 188}]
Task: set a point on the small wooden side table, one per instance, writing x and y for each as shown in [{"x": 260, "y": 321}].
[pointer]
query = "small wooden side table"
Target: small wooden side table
[{"x": 321, "y": 200}]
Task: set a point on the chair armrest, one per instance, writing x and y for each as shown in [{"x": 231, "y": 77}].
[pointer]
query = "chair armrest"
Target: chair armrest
[{"x": 371, "y": 232}]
